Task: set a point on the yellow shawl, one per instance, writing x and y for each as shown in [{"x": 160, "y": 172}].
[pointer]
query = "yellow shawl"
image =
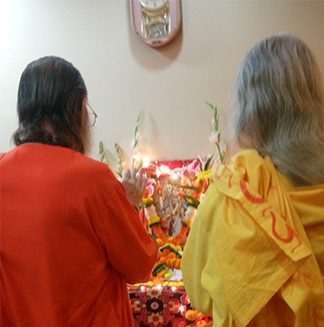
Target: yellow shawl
[{"x": 255, "y": 252}]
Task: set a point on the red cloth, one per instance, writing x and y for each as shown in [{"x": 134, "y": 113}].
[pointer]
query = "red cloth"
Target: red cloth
[
  {"x": 69, "y": 241},
  {"x": 172, "y": 164}
]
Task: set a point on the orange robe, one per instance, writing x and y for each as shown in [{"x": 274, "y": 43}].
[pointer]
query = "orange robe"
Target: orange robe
[{"x": 69, "y": 241}]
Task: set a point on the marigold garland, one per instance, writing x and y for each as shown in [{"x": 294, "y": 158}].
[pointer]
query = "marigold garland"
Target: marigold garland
[{"x": 170, "y": 248}]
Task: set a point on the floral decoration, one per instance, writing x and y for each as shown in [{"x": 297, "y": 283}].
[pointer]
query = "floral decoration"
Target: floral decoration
[{"x": 172, "y": 195}]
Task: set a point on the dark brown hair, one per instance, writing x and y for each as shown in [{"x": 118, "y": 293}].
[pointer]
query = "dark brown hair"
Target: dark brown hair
[{"x": 50, "y": 95}]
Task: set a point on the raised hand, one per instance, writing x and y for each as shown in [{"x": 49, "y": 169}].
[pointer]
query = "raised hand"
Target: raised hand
[{"x": 134, "y": 182}]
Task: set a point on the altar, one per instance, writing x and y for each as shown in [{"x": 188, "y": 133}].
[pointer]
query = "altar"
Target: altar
[
  {"x": 169, "y": 205},
  {"x": 172, "y": 194}
]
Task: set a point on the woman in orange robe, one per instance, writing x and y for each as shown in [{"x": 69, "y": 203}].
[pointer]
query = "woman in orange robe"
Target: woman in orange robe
[{"x": 70, "y": 239}]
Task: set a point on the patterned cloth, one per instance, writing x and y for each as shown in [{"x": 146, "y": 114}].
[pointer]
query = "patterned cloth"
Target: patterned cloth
[{"x": 158, "y": 307}]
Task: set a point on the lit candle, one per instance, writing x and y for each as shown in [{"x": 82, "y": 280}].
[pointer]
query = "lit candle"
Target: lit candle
[
  {"x": 142, "y": 288},
  {"x": 182, "y": 308},
  {"x": 146, "y": 162}
]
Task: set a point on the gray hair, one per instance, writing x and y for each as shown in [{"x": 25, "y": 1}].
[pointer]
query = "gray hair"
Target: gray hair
[{"x": 280, "y": 108}]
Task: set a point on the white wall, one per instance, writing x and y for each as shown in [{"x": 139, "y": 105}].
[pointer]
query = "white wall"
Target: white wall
[{"x": 125, "y": 76}]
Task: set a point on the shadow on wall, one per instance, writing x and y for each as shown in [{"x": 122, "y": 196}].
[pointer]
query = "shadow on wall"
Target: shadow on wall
[{"x": 149, "y": 57}]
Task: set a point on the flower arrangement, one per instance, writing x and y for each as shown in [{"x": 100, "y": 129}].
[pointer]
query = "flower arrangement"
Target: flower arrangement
[
  {"x": 120, "y": 157},
  {"x": 215, "y": 136},
  {"x": 172, "y": 195},
  {"x": 170, "y": 203}
]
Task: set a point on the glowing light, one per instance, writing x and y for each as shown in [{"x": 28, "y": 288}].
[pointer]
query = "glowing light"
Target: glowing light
[
  {"x": 182, "y": 308},
  {"x": 174, "y": 176},
  {"x": 173, "y": 288},
  {"x": 137, "y": 160},
  {"x": 146, "y": 162},
  {"x": 142, "y": 288},
  {"x": 163, "y": 170},
  {"x": 159, "y": 287}
]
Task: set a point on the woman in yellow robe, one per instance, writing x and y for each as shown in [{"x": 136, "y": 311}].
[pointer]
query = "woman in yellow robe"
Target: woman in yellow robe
[{"x": 255, "y": 253}]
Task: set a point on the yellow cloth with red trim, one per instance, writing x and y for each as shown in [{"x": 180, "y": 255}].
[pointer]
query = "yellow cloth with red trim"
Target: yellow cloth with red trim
[{"x": 255, "y": 252}]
